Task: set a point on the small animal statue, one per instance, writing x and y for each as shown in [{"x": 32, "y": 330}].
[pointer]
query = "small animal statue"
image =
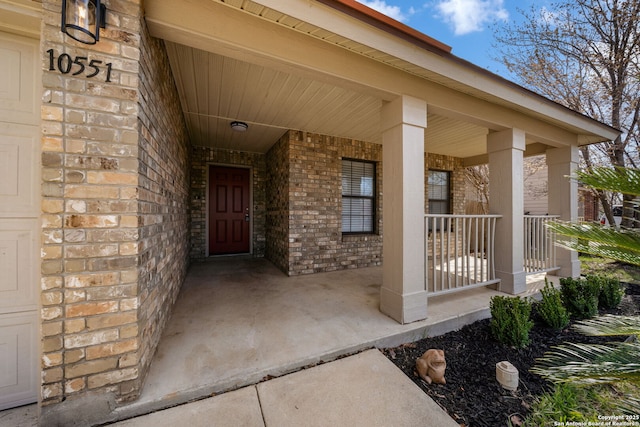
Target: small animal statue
[{"x": 431, "y": 366}]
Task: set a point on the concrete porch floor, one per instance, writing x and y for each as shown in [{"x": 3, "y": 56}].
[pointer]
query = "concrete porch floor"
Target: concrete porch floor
[{"x": 238, "y": 321}]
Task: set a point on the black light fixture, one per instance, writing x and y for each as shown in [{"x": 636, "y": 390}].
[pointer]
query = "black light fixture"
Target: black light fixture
[
  {"x": 82, "y": 19},
  {"x": 239, "y": 126}
]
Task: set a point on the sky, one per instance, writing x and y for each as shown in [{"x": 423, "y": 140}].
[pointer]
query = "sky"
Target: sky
[{"x": 465, "y": 25}]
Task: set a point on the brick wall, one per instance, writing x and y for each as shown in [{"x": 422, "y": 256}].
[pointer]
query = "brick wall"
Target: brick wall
[
  {"x": 455, "y": 166},
  {"x": 201, "y": 158},
  {"x": 304, "y": 197},
  {"x": 163, "y": 201},
  {"x": 277, "y": 248},
  {"x": 114, "y": 189},
  {"x": 588, "y": 205},
  {"x": 277, "y": 198}
]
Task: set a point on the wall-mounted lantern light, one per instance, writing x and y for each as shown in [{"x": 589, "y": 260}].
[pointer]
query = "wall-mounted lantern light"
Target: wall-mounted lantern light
[{"x": 82, "y": 19}]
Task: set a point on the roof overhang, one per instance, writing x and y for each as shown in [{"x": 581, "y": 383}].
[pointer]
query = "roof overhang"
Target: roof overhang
[{"x": 343, "y": 43}]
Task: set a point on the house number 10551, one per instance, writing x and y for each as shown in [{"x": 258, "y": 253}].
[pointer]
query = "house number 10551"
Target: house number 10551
[{"x": 79, "y": 64}]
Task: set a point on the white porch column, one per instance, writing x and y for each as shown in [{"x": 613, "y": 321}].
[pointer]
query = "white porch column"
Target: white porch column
[
  {"x": 403, "y": 295},
  {"x": 563, "y": 200},
  {"x": 506, "y": 198}
]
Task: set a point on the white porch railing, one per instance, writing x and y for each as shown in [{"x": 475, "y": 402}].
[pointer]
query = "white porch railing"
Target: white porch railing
[
  {"x": 539, "y": 244},
  {"x": 459, "y": 251}
]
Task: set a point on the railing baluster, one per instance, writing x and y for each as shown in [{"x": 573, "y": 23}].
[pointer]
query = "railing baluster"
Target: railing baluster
[
  {"x": 456, "y": 236},
  {"x": 459, "y": 251},
  {"x": 539, "y": 244}
]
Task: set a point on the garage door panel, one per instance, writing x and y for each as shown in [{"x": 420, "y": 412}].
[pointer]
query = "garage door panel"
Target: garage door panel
[
  {"x": 20, "y": 164},
  {"x": 18, "y": 284},
  {"x": 18, "y": 98},
  {"x": 18, "y": 171},
  {"x": 18, "y": 355}
]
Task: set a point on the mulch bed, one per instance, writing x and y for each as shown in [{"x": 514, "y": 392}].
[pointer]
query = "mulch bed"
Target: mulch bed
[{"x": 472, "y": 396}]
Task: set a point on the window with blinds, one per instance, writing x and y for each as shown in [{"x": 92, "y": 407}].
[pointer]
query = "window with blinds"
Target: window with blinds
[
  {"x": 358, "y": 196},
  {"x": 439, "y": 185}
]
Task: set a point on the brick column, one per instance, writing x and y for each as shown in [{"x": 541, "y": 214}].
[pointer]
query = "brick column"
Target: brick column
[
  {"x": 89, "y": 289},
  {"x": 506, "y": 198},
  {"x": 563, "y": 201},
  {"x": 403, "y": 295},
  {"x": 115, "y": 189}
]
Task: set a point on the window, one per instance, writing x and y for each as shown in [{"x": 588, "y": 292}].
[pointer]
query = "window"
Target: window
[
  {"x": 358, "y": 196},
  {"x": 439, "y": 192}
]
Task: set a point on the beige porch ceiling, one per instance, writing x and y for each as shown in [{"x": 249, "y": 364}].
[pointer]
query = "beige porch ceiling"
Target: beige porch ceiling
[
  {"x": 280, "y": 65},
  {"x": 216, "y": 90}
]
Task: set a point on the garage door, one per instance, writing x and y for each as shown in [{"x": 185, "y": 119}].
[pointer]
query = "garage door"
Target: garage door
[{"x": 19, "y": 219}]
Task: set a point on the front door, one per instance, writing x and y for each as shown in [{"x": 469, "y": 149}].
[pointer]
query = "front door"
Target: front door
[{"x": 229, "y": 210}]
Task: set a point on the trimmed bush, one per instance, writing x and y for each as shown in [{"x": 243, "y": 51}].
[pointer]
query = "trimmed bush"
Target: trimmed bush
[
  {"x": 580, "y": 297},
  {"x": 550, "y": 309},
  {"x": 611, "y": 291},
  {"x": 510, "y": 320}
]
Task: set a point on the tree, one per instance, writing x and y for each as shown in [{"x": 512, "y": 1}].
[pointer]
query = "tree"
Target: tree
[
  {"x": 618, "y": 244},
  {"x": 590, "y": 363},
  {"x": 584, "y": 54},
  {"x": 584, "y": 363}
]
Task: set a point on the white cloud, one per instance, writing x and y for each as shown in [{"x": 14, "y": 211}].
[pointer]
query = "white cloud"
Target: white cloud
[
  {"x": 381, "y": 6},
  {"x": 467, "y": 16}
]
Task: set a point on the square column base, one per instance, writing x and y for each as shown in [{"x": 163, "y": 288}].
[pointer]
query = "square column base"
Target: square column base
[
  {"x": 512, "y": 283},
  {"x": 569, "y": 268},
  {"x": 405, "y": 308}
]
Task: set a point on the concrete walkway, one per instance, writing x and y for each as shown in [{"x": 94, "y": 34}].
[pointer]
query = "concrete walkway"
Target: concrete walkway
[
  {"x": 239, "y": 321},
  {"x": 361, "y": 390}
]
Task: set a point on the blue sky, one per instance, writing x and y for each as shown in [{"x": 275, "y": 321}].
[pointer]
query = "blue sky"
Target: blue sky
[{"x": 465, "y": 25}]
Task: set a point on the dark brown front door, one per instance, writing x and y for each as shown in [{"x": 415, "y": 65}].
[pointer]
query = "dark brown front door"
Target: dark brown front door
[{"x": 228, "y": 210}]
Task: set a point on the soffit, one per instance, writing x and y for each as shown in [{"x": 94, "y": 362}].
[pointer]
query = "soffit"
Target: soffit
[
  {"x": 215, "y": 90},
  {"x": 333, "y": 38},
  {"x": 469, "y": 78}
]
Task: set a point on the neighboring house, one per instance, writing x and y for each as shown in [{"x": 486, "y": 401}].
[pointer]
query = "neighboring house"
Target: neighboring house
[
  {"x": 535, "y": 192},
  {"x": 536, "y": 189},
  {"x": 120, "y": 166},
  {"x": 535, "y": 186}
]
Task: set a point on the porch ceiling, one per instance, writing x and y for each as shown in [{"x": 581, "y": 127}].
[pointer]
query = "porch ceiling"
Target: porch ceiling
[
  {"x": 280, "y": 65},
  {"x": 216, "y": 90}
]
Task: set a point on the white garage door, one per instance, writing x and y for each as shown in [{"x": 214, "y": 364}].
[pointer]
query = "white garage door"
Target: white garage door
[{"x": 19, "y": 219}]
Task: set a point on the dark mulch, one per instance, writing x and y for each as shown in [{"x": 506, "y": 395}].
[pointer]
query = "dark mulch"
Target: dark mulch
[{"x": 472, "y": 396}]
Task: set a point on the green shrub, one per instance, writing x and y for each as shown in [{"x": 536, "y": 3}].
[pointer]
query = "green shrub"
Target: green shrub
[
  {"x": 510, "y": 320},
  {"x": 553, "y": 313},
  {"x": 611, "y": 291},
  {"x": 580, "y": 297}
]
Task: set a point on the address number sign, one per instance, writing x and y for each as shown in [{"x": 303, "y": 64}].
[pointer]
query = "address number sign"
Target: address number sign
[{"x": 79, "y": 65}]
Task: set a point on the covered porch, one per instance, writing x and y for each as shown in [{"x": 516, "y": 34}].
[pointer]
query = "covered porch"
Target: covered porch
[
  {"x": 305, "y": 111},
  {"x": 239, "y": 320}
]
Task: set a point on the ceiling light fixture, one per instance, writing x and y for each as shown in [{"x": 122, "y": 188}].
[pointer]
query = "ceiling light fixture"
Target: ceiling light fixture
[
  {"x": 239, "y": 126},
  {"x": 82, "y": 19}
]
